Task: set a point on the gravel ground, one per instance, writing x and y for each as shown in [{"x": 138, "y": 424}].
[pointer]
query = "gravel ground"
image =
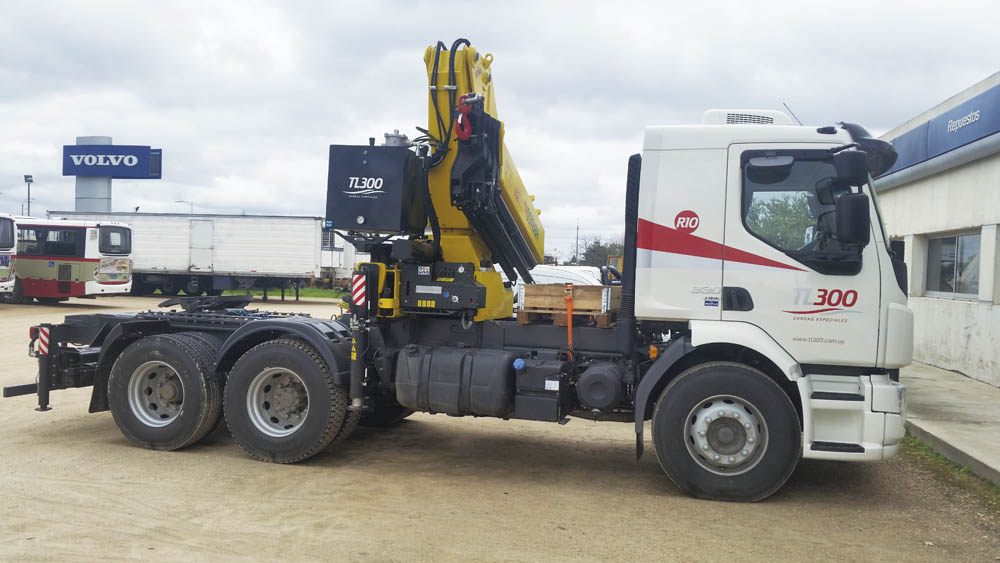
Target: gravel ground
[{"x": 433, "y": 488}]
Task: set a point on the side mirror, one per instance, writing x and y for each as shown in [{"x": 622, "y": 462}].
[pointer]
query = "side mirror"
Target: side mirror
[
  {"x": 852, "y": 166},
  {"x": 853, "y": 219}
]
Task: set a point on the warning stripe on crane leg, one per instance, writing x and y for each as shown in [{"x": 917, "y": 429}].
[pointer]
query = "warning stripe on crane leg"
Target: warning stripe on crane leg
[
  {"x": 43, "y": 341},
  {"x": 358, "y": 289}
]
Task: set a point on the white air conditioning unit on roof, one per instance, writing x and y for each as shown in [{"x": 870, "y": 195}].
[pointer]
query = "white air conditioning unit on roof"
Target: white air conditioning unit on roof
[{"x": 745, "y": 117}]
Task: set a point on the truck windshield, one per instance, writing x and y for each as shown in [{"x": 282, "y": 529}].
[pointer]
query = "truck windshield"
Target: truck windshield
[
  {"x": 6, "y": 234},
  {"x": 115, "y": 240}
]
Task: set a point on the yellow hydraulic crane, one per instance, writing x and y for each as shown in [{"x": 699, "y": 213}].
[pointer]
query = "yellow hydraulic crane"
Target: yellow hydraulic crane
[
  {"x": 453, "y": 75},
  {"x": 458, "y": 179}
]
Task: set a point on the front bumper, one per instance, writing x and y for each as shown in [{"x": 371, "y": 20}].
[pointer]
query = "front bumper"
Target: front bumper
[{"x": 851, "y": 418}]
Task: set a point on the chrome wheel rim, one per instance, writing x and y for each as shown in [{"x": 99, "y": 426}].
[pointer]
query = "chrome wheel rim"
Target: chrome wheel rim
[
  {"x": 726, "y": 435},
  {"x": 277, "y": 402},
  {"x": 155, "y": 394}
]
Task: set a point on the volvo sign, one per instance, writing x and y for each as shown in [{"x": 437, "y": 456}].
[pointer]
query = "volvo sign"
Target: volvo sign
[{"x": 112, "y": 161}]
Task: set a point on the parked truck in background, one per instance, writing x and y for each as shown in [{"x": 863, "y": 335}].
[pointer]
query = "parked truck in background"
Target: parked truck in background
[
  {"x": 209, "y": 253},
  {"x": 339, "y": 258},
  {"x": 749, "y": 338}
]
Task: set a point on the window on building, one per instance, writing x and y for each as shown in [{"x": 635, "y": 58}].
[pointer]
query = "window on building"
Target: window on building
[{"x": 953, "y": 266}]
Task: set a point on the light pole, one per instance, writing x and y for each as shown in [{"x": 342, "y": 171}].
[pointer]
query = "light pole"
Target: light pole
[
  {"x": 191, "y": 203},
  {"x": 28, "y": 179}
]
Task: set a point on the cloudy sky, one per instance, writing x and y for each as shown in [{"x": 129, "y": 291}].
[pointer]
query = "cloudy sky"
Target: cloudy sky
[{"x": 245, "y": 97}]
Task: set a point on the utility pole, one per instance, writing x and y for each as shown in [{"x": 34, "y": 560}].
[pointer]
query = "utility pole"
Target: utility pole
[
  {"x": 28, "y": 179},
  {"x": 577, "y": 241},
  {"x": 191, "y": 203}
]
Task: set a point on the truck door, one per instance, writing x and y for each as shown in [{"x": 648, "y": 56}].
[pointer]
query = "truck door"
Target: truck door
[
  {"x": 784, "y": 269},
  {"x": 202, "y": 244}
]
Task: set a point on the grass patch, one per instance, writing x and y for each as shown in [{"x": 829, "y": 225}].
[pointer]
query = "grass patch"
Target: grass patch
[
  {"x": 304, "y": 292},
  {"x": 946, "y": 470}
]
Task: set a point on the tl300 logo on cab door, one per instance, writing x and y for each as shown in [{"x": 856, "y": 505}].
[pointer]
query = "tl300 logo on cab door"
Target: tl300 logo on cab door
[{"x": 825, "y": 303}]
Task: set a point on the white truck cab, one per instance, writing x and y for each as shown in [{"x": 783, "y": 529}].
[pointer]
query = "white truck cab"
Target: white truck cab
[
  {"x": 8, "y": 244},
  {"x": 745, "y": 233}
]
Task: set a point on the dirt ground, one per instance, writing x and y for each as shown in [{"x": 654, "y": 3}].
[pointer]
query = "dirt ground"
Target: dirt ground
[{"x": 433, "y": 488}]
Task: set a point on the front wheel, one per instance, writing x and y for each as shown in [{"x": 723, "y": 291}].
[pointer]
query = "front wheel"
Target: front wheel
[{"x": 726, "y": 431}]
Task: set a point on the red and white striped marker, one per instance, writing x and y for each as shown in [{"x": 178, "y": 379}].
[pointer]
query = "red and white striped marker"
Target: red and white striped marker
[
  {"x": 358, "y": 289},
  {"x": 43, "y": 341}
]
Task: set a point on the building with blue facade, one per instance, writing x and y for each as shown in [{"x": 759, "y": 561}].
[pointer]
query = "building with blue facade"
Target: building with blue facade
[{"x": 942, "y": 200}]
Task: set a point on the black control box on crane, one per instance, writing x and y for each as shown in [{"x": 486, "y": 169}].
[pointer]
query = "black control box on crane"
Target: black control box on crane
[{"x": 375, "y": 190}]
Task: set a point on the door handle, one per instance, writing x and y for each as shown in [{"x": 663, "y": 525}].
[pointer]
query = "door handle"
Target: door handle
[{"x": 736, "y": 299}]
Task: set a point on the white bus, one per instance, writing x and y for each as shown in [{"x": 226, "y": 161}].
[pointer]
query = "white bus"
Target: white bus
[
  {"x": 54, "y": 260},
  {"x": 7, "y": 243}
]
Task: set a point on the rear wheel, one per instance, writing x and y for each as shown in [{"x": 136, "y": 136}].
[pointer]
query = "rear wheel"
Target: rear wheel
[
  {"x": 140, "y": 287},
  {"x": 726, "y": 431},
  {"x": 163, "y": 392},
  {"x": 281, "y": 402},
  {"x": 193, "y": 288},
  {"x": 169, "y": 286}
]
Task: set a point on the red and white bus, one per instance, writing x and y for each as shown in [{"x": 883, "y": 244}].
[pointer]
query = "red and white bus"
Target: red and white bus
[
  {"x": 57, "y": 259},
  {"x": 6, "y": 253}
]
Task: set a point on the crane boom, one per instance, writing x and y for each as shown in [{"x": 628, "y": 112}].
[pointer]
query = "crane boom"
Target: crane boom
[{"x": 460, "y": 180}]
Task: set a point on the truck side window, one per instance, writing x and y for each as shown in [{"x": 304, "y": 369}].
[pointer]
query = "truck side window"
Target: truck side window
[{"x": 789, "y": 201}]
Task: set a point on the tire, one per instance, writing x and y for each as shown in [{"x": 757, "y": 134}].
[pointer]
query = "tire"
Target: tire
[
  {"x": 214, "y": 292},
  {"x": 193, "y": 288},
  {"x": 386, "y": 412},
  {"x": 350, "y": 424},
  {"x": 14, "y": 298},
  {"x": 308, "y": 411},
  {"x": 150, "y": 417},
  {"x": 748, "y": 435},
  {"x": 169, "y": 287},
  {"x": 139, "y": 288}
]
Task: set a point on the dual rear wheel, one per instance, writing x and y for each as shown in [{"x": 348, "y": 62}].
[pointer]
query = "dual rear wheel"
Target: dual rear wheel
[{"x": 280, "y": 402}]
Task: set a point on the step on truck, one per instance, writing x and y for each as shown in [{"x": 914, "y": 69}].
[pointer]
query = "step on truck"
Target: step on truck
[{"x": 762, "y": 317}]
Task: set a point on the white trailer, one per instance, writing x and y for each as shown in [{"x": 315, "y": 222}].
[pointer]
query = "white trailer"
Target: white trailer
[{"x": 208, "y": 253}]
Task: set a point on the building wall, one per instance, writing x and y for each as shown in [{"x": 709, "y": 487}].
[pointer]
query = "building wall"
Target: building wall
[
  {"x": 956, "y": 333},
  {"x": 959, "y": 198}
]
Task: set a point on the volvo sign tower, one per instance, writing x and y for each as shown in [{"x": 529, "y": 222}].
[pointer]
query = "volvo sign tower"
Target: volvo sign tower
[{"x": 95, "y": 162}]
